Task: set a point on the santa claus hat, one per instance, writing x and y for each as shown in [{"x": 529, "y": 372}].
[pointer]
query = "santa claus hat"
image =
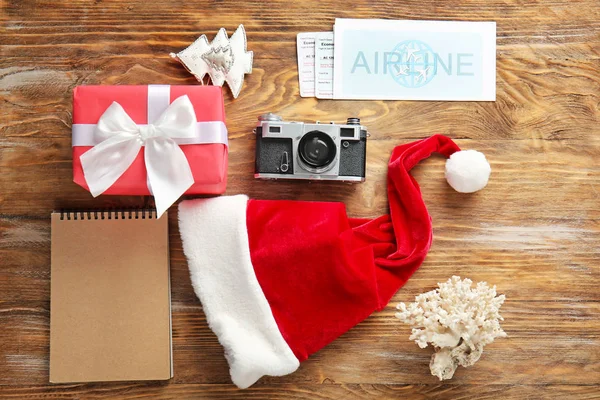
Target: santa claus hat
[{"x": 279, "y": 280}]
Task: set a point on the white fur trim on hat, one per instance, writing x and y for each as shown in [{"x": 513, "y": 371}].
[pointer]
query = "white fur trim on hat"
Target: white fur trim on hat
[
  {"x": 467, "y": 171},
  {"x": 215, "y": 242}
]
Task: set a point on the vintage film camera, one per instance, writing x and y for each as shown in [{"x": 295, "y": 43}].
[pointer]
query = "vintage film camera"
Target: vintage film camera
[{"x": 295, "y": 150}]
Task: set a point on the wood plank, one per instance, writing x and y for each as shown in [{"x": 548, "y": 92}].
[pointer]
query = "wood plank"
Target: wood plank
[
  {"x": 552, "y": 99},
  {"x": 541, "y": 255},
  {"x": 547, "y": 341},
  {"x": 528, "y": 19},
  {"x": 303, "y": 391},
  {"x": 521, "y": 275},
  {"x": 530, "y": 179}
]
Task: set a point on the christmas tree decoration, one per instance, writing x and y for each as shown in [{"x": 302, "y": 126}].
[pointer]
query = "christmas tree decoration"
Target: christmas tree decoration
[
  {"x": 457, "y": 320},
  {"x": 220, "y": 59},
  {"x": 224, "y": 59},
  {"x": 279, "y": 280}
]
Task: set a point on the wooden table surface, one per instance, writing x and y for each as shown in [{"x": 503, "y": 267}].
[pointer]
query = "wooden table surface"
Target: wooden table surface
[{"x": 533, "y": 232}]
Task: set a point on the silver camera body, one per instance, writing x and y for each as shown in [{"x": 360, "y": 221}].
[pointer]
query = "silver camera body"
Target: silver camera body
[{"x": 297, "y": 150}]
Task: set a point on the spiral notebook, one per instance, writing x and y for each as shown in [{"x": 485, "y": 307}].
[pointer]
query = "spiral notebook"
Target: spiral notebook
[{"x": 110, "y": 306}]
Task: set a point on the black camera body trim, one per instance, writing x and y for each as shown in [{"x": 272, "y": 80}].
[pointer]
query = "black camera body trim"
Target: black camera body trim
[{"x": 296, "y": 150}]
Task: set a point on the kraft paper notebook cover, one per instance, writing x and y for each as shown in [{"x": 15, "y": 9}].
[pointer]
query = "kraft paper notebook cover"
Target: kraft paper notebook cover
[{"x": 110, "y": 311}]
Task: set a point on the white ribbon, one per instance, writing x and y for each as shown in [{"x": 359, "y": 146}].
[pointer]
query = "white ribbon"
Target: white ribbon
[
  {"x": 120, "y": 140},
  {"x": 207, "y": 132}
]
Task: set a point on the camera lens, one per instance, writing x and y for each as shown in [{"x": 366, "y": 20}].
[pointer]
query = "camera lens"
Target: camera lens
[{"x": 317, "y": 149}]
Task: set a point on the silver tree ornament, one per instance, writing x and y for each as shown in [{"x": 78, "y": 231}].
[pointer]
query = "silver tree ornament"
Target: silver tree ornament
[{"x": 224, "y": 59}]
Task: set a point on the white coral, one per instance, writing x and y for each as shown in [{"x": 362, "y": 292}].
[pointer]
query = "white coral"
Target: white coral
[{"x": 457, "y": 320}]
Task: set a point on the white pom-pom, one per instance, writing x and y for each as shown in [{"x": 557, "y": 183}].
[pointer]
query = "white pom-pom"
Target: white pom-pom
[{"x": 467, "y": 171}]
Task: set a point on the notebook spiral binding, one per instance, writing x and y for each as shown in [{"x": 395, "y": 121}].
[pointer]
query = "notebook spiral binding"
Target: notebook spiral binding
[{"x": 141, "y": 213}]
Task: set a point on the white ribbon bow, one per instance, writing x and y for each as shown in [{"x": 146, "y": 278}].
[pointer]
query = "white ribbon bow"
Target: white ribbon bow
[{"x": 120, "y": 140}]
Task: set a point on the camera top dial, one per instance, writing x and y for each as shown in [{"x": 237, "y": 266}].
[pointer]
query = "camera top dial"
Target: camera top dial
[{"x": 270, "y": 117}]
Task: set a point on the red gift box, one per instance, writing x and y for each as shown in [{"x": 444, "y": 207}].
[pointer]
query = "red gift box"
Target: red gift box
[{"x": 207, "y": 161}]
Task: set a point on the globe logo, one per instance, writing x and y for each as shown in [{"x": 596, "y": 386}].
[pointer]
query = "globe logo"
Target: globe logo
[{"x": 412, "y": 64}]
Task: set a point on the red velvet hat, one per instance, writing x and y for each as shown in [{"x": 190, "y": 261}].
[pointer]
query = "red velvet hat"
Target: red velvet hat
[{"x": 279, "y": 280}]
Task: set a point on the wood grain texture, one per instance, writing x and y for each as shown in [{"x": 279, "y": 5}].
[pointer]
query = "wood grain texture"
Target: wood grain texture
[{"x": 534, "y": 231}]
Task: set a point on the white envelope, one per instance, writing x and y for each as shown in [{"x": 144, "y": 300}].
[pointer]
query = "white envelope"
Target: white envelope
[{"x": 414, "y": 60}]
